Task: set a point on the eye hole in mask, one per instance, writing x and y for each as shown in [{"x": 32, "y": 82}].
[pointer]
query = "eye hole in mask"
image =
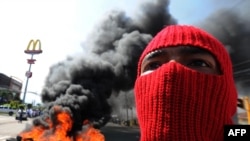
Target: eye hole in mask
[{"x": 192, "y": 57}]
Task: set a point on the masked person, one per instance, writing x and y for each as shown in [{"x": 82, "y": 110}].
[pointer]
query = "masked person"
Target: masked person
[{"x": 184, "y": 89}]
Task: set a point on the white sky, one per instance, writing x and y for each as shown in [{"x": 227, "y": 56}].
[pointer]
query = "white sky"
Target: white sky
[{"x": 62, "y": 25}]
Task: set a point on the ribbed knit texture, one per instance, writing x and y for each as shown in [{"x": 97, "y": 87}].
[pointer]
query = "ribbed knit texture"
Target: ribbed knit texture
[{"x": 175, "y": 103}]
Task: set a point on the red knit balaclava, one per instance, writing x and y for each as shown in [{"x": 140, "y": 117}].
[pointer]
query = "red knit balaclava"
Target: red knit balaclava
[{"x": 176, "y": 103}]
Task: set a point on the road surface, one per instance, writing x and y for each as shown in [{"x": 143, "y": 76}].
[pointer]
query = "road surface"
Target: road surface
[
  {"x": 114, "y": 132},
  {"x": 10, "y": 128}
]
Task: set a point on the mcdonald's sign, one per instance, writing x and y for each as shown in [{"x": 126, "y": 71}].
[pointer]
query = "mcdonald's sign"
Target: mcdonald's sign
[{"x": 34, "y": 47}]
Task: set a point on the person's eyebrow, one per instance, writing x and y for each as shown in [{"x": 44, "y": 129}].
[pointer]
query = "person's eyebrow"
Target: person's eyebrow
[
  {"x": 154, "y": 54},
  {"x": 184, "y": 50}
]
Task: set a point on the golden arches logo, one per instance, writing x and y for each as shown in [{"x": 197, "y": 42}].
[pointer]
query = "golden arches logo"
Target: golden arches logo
[{"x": 34, "y": 49}]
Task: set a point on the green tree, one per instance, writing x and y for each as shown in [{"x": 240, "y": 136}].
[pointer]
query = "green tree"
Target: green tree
[
  {"x": 5, "y": 96},
  {"x": 21, "y": 106},
  {"x": 15, "y": 104},
  {"x": 29, "y": 106}
]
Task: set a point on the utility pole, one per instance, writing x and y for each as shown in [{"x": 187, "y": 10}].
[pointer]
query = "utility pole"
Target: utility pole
[{"x": 126, "y": 100}]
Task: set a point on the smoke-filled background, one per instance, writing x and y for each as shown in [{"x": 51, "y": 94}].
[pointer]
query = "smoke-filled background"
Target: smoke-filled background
[
  {"x": 232, "y": 27},
  {"x": 99, "y": 82}
]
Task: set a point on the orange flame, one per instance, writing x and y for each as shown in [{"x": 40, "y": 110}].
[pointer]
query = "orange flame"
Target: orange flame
[
  {"x": 91, "y": 134},
  {"x": 59, "y": 131}
]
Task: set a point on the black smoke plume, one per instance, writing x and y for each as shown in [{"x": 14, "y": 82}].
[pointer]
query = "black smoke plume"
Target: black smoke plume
[{"x": 231, "y": 26}]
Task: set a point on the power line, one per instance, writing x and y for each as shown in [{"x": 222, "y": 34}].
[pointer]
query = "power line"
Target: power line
[{"x": 241, "y": 63}]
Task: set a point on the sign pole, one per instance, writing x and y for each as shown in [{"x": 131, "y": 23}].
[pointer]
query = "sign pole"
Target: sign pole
[
  {"x": 27, "y": 80},
  {"x": 32, "y": 51}
]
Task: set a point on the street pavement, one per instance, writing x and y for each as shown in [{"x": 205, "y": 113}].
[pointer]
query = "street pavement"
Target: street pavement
[
  {"x": 9, "y": 128},
  {"x": 4, "y": 137},
  {"x": 115, "y": 132}
]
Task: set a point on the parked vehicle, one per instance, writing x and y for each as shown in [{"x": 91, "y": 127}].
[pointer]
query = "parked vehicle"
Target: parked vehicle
[
  {"x": 24, "y": 115},
  {"x": 7, "y": 110},
  {"x": 36, "y": 113}
]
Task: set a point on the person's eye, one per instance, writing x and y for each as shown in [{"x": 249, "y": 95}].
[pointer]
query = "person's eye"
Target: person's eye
[
  {"x": 198, "y": 63},
  {"x": 152, "y": 66}
]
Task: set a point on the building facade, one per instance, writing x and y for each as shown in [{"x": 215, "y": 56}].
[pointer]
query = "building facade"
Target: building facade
[{"x": 11, "y": 84}]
